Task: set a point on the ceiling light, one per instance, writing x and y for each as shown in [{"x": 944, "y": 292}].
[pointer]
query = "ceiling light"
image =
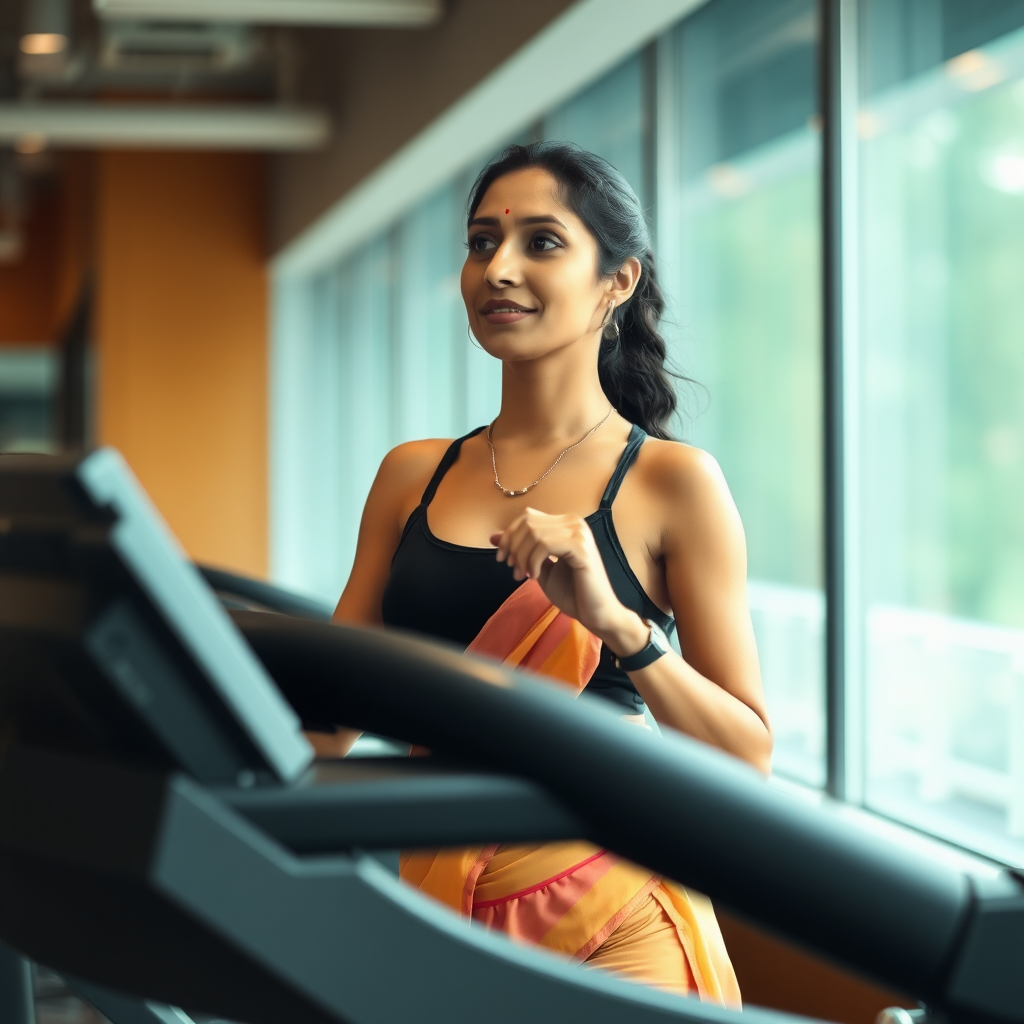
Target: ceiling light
[
  {"x": 395, "y": 13},
  {"x": 46, "y": 27},
  {"x": 43, "y": 43}
]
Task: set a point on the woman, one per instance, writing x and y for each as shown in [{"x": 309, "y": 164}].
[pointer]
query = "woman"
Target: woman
[{"x": 576, "y": 488}]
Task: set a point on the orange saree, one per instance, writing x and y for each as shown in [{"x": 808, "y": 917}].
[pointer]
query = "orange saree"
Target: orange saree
[{"x": 574, "y": 898}]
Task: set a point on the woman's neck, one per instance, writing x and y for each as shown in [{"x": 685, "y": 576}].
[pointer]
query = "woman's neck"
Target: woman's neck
[{"x": 554, "y": 399}]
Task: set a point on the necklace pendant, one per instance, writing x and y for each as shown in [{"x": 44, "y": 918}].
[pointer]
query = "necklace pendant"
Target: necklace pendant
[
  {"x": 529, "y": 487},
  {"x": 512, "y": 494}
]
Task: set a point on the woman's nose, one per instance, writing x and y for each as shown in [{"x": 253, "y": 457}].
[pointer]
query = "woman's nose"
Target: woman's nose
[{"x": 503, "y": 269}]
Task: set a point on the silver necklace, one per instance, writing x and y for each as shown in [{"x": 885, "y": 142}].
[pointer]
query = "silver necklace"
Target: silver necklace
[{"x": 530, "y": 487}]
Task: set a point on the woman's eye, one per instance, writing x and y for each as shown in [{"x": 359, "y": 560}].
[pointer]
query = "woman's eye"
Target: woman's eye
[
  {"x": 543, "y": 243},
  {"x": 480, "y": 243}
]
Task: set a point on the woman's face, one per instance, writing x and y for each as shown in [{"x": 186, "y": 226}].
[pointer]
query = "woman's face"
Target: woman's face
[{"x": 530, "y": 281}]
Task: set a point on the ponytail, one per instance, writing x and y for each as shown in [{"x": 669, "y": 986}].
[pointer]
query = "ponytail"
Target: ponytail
[{"x": 631, "y": 366}]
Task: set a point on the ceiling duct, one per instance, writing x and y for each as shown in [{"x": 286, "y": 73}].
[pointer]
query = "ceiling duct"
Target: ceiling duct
[
  {"x": 163, "y": 126},
  {"x": 365, "y": 13},
  {"x": 131, "y": 45}
]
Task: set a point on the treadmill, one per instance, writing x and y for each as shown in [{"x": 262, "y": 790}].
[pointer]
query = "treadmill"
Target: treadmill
[{"x": 166, "y": 838}]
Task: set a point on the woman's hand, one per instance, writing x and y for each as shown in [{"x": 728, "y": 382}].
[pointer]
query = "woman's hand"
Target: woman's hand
[{"x": 560, "y": 553}]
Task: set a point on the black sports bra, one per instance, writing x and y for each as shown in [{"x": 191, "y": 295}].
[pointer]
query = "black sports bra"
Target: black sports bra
[{"x": 449, "y": 591}]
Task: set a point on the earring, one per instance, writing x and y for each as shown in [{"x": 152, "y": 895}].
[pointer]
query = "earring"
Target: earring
[
  {"x": 472, "y": 339},
  {"x": 611, "y": 324}
]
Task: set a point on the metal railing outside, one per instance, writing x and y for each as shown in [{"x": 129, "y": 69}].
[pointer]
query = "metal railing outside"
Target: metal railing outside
[{"x": 944, "y": 714}]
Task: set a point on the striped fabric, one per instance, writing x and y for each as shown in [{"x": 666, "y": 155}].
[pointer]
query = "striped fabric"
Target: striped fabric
[{"x": 566, "y": 897}]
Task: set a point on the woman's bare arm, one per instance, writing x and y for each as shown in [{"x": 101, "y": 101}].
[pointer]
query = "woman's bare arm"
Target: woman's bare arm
[
  {"x": 714, "y": 692},
  {"x": 401, "y": 478},
  {"x": 400, "y": 481}
]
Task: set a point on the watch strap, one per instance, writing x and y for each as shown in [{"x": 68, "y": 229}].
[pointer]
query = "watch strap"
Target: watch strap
[{"x": 647, "y": 655}]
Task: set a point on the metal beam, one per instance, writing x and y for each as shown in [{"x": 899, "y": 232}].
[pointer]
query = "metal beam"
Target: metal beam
[
  {"x": 155, "y": 126},
  {"x": 394, "y": 13}
]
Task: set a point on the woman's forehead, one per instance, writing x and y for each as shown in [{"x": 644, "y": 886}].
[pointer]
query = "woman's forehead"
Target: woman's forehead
[{"x": 525, "y": 193}]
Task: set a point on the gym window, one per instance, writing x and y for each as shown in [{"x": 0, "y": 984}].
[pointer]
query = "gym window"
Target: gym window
[{"x": 837, "y": 194}]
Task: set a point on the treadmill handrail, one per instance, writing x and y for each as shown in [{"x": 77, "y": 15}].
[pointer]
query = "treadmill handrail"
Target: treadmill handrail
[
  {"x": 675, "y": 805},
  {"x": 265, "y": 595},
  {"x": 411, "y": 802}
]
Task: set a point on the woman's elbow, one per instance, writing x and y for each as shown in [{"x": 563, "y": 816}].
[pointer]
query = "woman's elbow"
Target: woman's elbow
[{"x": 760, "y": 754}]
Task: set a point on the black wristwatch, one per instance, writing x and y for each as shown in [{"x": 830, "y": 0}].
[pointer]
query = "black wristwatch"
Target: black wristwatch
[{"x": 656, "y": 647}]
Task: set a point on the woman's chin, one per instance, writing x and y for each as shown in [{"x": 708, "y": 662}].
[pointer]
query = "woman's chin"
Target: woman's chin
[
  {"x": 511, "y": 348},
  {"x": 513, "y": 354}
]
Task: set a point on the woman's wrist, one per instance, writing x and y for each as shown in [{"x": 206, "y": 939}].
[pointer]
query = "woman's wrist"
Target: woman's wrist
[{"x": 627, "y": 635}]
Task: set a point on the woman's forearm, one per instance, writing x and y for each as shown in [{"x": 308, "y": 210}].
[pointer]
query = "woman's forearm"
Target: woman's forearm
[{"x": 680, "y": 697}]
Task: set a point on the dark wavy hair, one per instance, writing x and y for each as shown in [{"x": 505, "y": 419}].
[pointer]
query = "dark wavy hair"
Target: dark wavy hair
[{"x": 631, "y": 366}]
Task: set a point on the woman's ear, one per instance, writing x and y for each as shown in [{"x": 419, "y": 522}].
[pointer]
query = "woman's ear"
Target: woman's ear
[{"x": 624, "y": 281}]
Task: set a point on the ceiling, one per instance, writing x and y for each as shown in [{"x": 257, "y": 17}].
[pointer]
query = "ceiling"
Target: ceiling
[
  {"x": 243, "y": 50},
  {"x": 217, "y": 74}
]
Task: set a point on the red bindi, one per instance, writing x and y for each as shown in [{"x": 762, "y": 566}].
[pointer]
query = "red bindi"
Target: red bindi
[{"x": 506, "y": 211}]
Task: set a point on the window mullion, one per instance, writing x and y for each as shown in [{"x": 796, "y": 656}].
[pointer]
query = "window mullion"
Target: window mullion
[{"x": 845, "y": 725}]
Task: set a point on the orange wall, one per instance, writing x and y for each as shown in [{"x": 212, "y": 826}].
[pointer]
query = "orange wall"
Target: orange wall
[{"x": 181, "y": 337}]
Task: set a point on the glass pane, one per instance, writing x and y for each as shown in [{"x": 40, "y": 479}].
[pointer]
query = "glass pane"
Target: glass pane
[
  {"x": 739, "y": 242},
  {"x": 444, "y": 385},
  {"x": 430, "y": 336},
  {"x": 608, "y": 119},
  {"x": 942, "y": 222},
  {"x": 365, "y": 302}
]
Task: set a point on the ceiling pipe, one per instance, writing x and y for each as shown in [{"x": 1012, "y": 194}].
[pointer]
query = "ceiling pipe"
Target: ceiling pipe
[
  {"x": 363, "y": 13},
  {"x": 162, "y": 126}
]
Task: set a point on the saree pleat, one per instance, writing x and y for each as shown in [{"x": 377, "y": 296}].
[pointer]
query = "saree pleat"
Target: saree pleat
[{"x": 566, "y": 897}]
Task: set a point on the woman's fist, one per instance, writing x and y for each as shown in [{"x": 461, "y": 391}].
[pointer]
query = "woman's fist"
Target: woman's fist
[{"x": 560, "y": 553}]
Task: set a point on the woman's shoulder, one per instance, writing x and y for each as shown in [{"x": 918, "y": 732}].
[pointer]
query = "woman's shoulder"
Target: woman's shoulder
[
  {"x": 699, "y": 524},
  {"x": 403, "y": 477},
  {"x": 412, "y": 462},
  {"x": 682, "y": 495},
  {"x": 680, "y": 471},
  {"x": 688, "y": 488}
]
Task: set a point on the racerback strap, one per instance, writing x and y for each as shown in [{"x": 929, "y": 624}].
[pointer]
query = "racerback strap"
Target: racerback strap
[
  {"x": 446, "y": 463},
  {"x": 637, "y": 436}
]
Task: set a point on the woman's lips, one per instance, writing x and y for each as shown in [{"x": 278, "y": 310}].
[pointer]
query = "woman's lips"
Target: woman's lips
[{"x": 506, "y": 316}]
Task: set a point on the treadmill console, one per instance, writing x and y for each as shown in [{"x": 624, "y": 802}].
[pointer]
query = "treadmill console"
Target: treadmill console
[{"x": 111, "y": 640}]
